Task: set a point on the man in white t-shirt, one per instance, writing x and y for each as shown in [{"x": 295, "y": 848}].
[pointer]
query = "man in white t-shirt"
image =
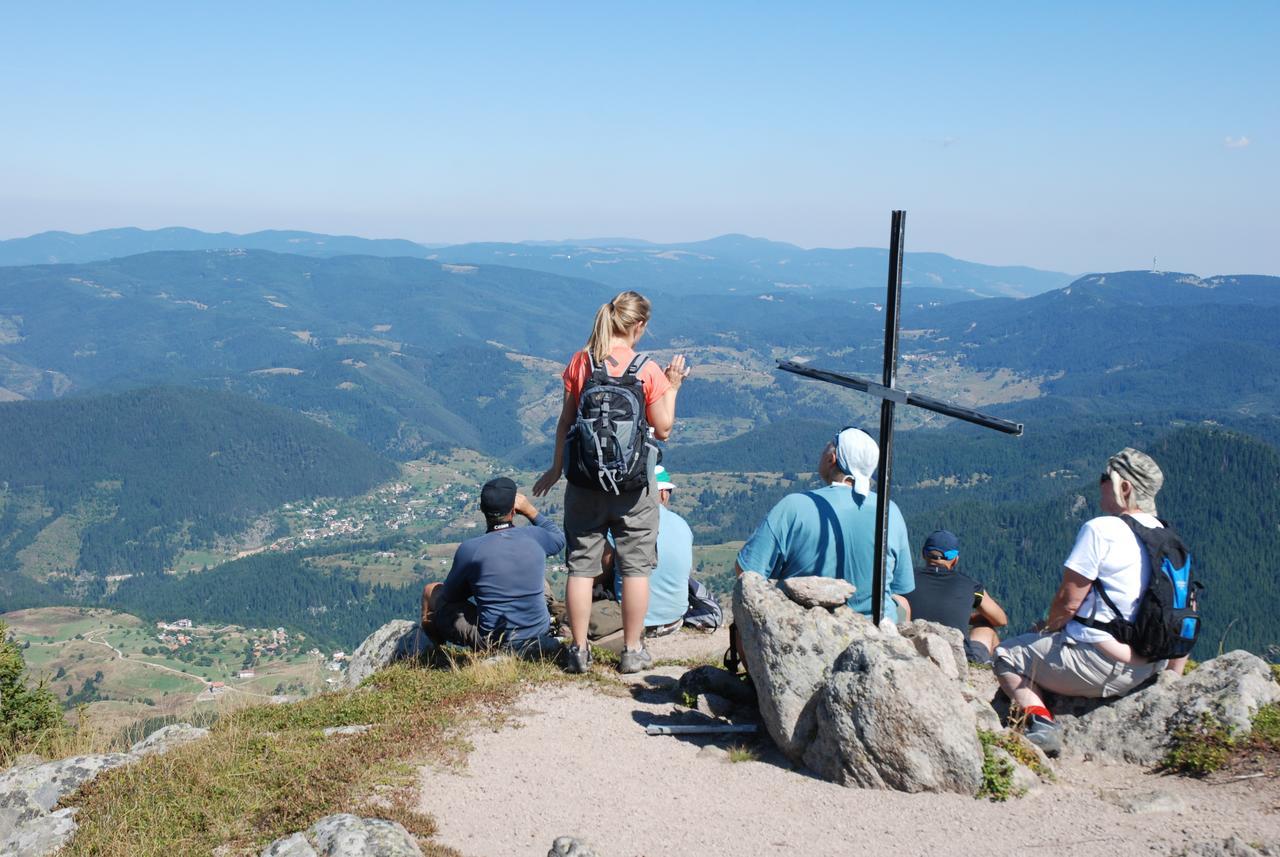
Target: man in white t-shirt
[{"x": 1065, "y": 656}]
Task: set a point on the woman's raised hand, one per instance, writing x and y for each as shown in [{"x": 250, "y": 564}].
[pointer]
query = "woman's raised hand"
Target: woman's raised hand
[
  {"x": 546, "y": 482},
  {"x": 677, "y": 371}
]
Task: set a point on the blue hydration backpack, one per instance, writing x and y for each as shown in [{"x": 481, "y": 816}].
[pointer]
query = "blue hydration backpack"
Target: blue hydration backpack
[
  {"x": 607, "y": 447},
  {"x": 1168, "y": 619}
]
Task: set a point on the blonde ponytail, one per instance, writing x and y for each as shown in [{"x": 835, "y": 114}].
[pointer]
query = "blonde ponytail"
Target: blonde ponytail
[{"x": 616, "y": 318}]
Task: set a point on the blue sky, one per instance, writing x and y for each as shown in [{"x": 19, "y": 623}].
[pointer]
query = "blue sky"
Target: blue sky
[{"x": 1092, "y": 138}]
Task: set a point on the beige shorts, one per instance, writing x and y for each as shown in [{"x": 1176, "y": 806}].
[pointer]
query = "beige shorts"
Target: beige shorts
[
  {"x": 1067, "y": 667},
  {"x": 632, "y": 517}
]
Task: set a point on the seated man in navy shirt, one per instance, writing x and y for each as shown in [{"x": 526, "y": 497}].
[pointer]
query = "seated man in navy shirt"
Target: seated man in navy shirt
[
  {"x": 494, "y": 595},
  {"x": 945, "y": 595}
]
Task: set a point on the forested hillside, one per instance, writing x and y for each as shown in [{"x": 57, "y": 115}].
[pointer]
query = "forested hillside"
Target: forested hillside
[
  {"x": 1017, "y": 520},
  {"x": 267, "y": 590},
  {"x": 116, "y": 484}
]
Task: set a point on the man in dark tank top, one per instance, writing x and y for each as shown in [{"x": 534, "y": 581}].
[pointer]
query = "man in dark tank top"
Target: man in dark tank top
[{"x": 945, "y": 595}]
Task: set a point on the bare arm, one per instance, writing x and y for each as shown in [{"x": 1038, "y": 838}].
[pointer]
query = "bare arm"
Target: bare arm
[
  {"x": 662, "y": 413},
  {"x": 548, "y": 480},
  {"x": 1067, "y": 600},
  {"x": 990, "y": 613}
]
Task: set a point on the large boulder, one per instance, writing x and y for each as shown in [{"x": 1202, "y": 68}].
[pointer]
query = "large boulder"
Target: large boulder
[
  {"x": 811, "y": 591},
  {"x": 166, "y": 738},
  {"x": 397, "y": 640},
  {"x": 941, "y": 644},
  {"x": 1137, "y": 728},
  {"x": 346, "y": 835},
  {"x": 889, "y": 718},
  {"x": 789, "y": 651},
  {"x": 29, "y": 825}
]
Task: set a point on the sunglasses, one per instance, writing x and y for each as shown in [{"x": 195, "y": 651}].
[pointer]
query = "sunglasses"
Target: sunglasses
[{"x": 947, "y": 555}]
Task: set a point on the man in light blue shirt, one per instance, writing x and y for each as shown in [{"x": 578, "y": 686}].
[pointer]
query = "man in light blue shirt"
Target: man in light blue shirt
[
  {"x": 830, "y": 532},
  {"x": 669, "y": 583}
]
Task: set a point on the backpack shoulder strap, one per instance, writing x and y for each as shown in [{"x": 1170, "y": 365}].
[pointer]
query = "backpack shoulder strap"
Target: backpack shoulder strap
[
  {"x": 597, "y": 373},
  {"x": 633, "y": 368}
]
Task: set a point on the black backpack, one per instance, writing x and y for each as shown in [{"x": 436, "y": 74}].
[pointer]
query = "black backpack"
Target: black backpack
[
  {"x": 607, "y": 447},
  {"x": 1168, "y": 619}
]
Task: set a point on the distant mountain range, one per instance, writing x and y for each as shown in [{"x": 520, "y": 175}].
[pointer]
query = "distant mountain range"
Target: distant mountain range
[
  {"x": 408, "y": 354},
  {"x": 725, "y": 264}
]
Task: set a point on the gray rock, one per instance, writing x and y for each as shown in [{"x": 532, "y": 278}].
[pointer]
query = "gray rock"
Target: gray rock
[
  {"x": 356, "y": 729},
  {"x": 789, "y": 651},
  {"x": 40, "y": 836},
  {"x": 1233, "y": 847},
  {"x": 942, "y": 644},
  {"x": 346, "y": 835},
  {"x": 291, "y": 846},
  {"x": 568, "y": 846},
  {"x": 818, "y": 591},
  {"x": 1023, "y": 780},
  {"x": 165, "y": 739},
  {"x": 888, "y": 718},
  {"x": 985, "y": 715},
  {"x": 709, "y": 679},
  {"x": 715, "y": 705},
  {"x": 44, "y": 785},
  {"x": 1137, "y": 728},
  {"x": 394, "y": 641}
]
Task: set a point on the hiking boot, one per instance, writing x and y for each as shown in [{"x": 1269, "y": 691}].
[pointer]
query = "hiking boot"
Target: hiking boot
[
  {"x": 577, "y": 660},
  {"x": 635, "y": 660},
  {"x": 1045, "y": 733}
]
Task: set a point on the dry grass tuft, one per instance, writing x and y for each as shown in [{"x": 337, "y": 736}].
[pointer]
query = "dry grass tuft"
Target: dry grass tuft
[{"x": 268, "y": 771}]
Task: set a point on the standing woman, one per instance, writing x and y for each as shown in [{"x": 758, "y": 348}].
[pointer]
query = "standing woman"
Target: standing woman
[{"x": 598, "y": 501}]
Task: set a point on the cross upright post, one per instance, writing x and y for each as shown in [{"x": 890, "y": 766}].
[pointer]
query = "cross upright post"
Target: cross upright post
[
  {"x": 890, "y": 396},
  {"x": 897, "y": 229}
]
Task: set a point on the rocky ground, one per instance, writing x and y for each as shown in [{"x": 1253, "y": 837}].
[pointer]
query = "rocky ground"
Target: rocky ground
[{"x": 576, "y": 760}]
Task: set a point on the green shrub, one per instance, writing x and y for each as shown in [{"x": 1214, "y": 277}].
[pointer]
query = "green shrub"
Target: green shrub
[
  {"x": 1266, "y": 727},
  {"x": 997, "y": 771},
  {"x": 1200, "y": 748},
  {"x": 30, "y": 718}
]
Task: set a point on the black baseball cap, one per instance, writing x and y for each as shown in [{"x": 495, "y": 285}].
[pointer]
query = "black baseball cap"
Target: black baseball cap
[{"x": 497, "y": 497}]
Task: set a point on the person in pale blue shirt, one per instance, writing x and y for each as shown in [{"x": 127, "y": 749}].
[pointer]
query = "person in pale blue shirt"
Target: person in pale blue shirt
[
  {"x": 831, "y": 531},
  {"x": 669, "y": 583}
]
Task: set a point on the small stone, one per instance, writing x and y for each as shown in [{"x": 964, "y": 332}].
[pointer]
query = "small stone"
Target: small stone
[
  {"x": 569, "y": 846},
  {"x": 714, "y": 705},
  {"x": 165, "y": 739},
  {"x": 355, "y": 729},
  {"x": 346, "y": 835},
  {"x": 290, "y": 846},
  {"x": 709, "y": 679},
  {"x": 811, "y": 591}
]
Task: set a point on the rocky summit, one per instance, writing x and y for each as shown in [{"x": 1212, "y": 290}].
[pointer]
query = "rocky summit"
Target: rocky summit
[{"x": 857, "y": 704}]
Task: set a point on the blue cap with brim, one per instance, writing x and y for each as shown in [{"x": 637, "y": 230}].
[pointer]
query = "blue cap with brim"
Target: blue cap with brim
[{"x": 944, "y": 542}]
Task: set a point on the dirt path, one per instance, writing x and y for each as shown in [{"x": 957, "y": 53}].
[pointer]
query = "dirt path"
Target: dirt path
[{"x": 576, "y": 761}]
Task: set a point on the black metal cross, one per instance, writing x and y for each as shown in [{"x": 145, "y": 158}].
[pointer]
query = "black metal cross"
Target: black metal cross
[{"x": 890, "y": 396}]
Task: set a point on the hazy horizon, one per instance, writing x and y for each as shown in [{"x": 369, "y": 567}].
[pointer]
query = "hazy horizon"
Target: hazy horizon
[{"x": 1079, "y": 139}]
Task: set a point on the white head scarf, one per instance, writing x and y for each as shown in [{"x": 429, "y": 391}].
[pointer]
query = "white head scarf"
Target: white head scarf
[{"x": 857, "y": 454}]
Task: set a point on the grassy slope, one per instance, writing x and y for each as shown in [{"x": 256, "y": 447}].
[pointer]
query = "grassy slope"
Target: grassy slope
[{"x": 269, "y": 771}]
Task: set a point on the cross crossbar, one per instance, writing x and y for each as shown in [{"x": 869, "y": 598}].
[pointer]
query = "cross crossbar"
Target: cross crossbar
[
  {"x": 903, "y": 397},
  {"x": 890, "y": 395}
]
